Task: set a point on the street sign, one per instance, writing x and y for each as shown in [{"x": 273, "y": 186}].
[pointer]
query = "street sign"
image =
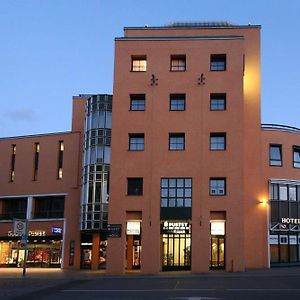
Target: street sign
[
  {"x": 19, "y": 227},
  {"x": 114, "y": 230},
  {"x": 23, "y": 242}
]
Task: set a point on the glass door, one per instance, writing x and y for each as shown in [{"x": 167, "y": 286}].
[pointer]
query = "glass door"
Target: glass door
[
  {"x": 176, "y": 252},
  {"x": 136, "y": 259},
  {"x": 217, "y": 252}
]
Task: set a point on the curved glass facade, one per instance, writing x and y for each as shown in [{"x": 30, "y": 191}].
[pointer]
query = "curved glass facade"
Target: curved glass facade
[{"x": 96, "y": 160}]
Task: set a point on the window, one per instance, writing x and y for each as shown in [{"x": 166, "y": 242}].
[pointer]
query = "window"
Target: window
[
  {"x": 176, "y": 141},
  {"x": 136, "y": 142},
  {"x": 296, "y": 160},
  {"x": 61, "y": 149},
  {"x": 134, "y": 186},
  {"x": 275, "y": 155},
  {"x": 218, "y": 62},
  {"x": 292, "y": 193},
  {"x": 217, "y": 186},
  {"x": 49, "y": 207},
  {"x": 137, "y": 102},
  {"x": 176, "y": 192},
  {"x": 177, "y": 102},
  {"x": 138, "y": 63},
  {"x": 13, "y": 162},
  {"x": 217, "y": 101},
  {"x": 217, "y": 141},
  {"x": 36, "y": 160},
  {"x": 13, "y": 208},
  {"x": 178, "y": 63}
]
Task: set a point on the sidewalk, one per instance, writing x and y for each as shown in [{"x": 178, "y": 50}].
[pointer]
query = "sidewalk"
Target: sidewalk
[{"x": 43, "y": 273}]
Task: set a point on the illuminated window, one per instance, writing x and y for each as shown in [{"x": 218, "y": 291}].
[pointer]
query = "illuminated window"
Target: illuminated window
[
  {"x": 217, "y": 101},
  {"x": 275, "y": 155},
  {"x": 217, "y": 186},
  {"x": 218, "y": 62},
  {"x": 36, "y": 160},
  {"x": 296, "y": 161},
  {"x": 178, "y": 63},
  {"x": 61, "y": 149},
  {"x": 13, "y": 162},
  {"x": 138, "y": 64},
  {"x": 217, "y": 141}
]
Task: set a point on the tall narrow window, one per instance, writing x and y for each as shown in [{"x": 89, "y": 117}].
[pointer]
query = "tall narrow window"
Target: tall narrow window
[
  {"x": 13, "y": 162},
  {"x": 296, "y": 161},
  {"x": 139, "y": 63},
  {"x": 178, "y": 62},
  {"x": 275, "y": 155},
  {"x": 60, "y": 159},
  {"x": 36, "y": 160}
]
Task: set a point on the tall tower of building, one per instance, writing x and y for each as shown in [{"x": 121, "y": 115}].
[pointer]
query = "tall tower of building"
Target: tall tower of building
[{"x": 185, "y": 137}]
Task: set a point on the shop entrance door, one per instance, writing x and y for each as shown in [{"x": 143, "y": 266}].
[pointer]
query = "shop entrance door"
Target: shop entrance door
[
  {"x": 176, "y": 252},
  {"x": 217, "y": 252}
]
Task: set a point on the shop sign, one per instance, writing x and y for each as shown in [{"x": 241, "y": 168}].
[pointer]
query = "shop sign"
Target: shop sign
[
  {"x": 175, "y": 227},
  {"x": 290, "y": 221},
  {"x": 217, "y": 227},
  {"x": 30, "y": 233},
  {"x": 133, "y": 228},
  {"x": 57, "y": 230},
  {"x": 114, "y": 230}
]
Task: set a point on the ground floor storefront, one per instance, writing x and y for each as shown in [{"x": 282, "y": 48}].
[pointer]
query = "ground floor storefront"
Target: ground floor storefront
[{"x": 45, "y": 245}]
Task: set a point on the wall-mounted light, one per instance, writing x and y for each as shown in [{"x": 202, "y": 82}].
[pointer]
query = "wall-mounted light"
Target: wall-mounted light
[{"x": 264, "y": 202}]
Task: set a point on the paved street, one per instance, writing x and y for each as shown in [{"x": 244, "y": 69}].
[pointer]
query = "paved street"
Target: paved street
[{"x": 56, "y": 284}]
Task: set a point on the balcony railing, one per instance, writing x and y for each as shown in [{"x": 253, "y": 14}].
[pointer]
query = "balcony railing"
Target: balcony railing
[{"x": 280, "y": 127}]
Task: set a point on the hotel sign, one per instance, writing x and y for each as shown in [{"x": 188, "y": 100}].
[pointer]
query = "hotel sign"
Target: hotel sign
[
  {"x": 290, "y": 221},
  {"x": 175, "y": 227},
  {"x": 114, "y": 230}
]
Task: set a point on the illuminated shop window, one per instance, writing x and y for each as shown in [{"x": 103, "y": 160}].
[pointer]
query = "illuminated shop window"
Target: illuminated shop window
[
  {"x": 138, "y": 63},
  {"x": 178, "y": 63}
]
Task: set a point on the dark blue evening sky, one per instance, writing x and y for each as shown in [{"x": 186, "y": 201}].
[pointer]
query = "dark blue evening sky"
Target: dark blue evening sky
[{"x": 51, "y": 50}]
